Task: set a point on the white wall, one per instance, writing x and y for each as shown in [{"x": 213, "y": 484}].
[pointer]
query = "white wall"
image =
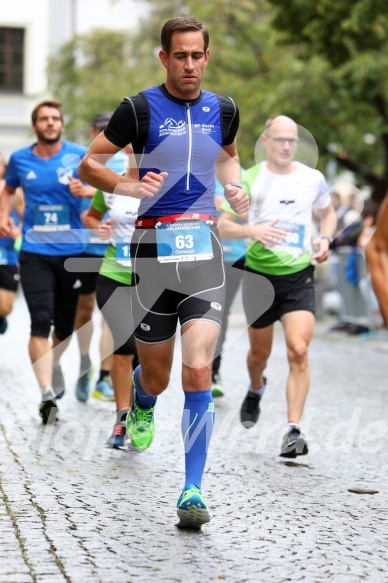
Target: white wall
[
  {"x": 49, "y": 24},
  {"x": 118, "y": 14}
]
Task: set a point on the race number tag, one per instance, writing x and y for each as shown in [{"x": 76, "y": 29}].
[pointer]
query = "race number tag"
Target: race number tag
[
  {"x": 295, "y": 234},
  {"x": 3, "y": 256},
  {"x": 51, "y": 217},
  {"x": 183, "y": 241},
  {"x": 123, "y": 251}
]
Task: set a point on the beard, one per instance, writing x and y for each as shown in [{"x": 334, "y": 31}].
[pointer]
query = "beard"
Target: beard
[{"x": 52, "y": 140}]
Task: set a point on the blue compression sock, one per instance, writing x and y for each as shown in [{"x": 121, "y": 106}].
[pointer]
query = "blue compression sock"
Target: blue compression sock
[
  {"x": 143, "y": 400},
  {"x": 197, "y": 427}
]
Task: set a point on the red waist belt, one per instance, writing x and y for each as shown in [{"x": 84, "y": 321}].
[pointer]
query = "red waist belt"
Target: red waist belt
[{"x": 152, "y": 221}]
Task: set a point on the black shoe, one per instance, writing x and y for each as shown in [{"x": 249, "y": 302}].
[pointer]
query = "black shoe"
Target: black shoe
[
  {"x": 250, "y": 408},
  {"x": 3, "y": 324},
  {"x": 48, "y": 408},
  {"x": 294, "y": 443},
  {"x": 58, "y": 382}
]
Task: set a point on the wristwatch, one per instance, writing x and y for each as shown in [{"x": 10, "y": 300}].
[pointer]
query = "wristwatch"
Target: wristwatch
[
  {"x": 327, "y": 238},
  {"x": 236, "y": 184}
]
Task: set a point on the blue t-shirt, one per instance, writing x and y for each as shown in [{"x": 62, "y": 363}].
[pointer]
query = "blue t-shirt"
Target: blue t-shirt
[
  {"x": 51, "y": 221},
  {"x": 8, "y": 253}
]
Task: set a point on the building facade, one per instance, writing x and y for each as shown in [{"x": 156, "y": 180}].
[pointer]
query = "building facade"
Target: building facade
[{"x": 31, "y": 31}]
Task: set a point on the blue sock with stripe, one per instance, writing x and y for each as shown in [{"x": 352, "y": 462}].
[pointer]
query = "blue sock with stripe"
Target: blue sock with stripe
[
  {"x": 197, "y": 428},
  {"x": 143, "y": 400}
]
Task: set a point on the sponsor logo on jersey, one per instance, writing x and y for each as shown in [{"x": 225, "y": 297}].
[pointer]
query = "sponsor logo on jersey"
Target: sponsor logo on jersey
[
  {"x": 145, "y": 327},
  {"x": 172, "y": 127},
  {"x": 64, "y": 175},
  {"x": 216, "y": 306},
  {"x": 31, "y": 175},
  {"x": 77, "y": 284}
]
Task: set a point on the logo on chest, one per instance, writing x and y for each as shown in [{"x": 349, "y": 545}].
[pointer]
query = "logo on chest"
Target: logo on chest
[
  {"x": 172, "y": 127},
  {"x": 287, "y": 202}
]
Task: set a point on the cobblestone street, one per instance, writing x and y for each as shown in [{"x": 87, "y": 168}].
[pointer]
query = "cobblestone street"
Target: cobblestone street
[{"x": 74, "y": 511}]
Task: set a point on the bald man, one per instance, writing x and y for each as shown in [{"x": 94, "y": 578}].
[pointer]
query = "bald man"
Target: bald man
[
  {"x": 278, "y": 281},
  {"x": 377, "y": 259}
]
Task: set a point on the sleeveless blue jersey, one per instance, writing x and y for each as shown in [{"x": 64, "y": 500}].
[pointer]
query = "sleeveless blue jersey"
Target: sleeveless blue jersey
[
  {"x": 184, "y": 139},
  {"x": 48, "y": 198}
]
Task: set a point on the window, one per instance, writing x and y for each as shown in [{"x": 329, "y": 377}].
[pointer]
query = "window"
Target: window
[{"x": 11, "y": 58}]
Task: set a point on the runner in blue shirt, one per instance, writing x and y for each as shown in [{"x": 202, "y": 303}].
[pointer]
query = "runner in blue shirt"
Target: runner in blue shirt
[{"x": 51, "y": 234}]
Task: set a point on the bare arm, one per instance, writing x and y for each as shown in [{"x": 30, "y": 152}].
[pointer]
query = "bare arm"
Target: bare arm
[
  {"x": 228, "y": 170},
  {"x": 265, "y": 233},
  {"x": 93, "y": 171},
  {"x": 328, "y": 227},
  {"x": 5, "y": 209},
  {"x": 377, "y": 259},
  {"x": 92, "y": 218}
]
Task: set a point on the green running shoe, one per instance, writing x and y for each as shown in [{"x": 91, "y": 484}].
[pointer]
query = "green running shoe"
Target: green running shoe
[
  {"x": 140, "y": 426},
  {"x": 192, "y": 508},
  {"x": 216, "y": 386}
]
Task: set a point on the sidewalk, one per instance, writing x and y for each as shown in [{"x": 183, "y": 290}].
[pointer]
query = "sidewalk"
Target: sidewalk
[{"x": 73, "y": 511}]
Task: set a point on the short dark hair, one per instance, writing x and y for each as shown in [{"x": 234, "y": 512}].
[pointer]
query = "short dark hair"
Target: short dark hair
[
  {"x": 182, "y": 24},
  {"x": 102, "y": 119},
  {"x": 47, "y": 103}
]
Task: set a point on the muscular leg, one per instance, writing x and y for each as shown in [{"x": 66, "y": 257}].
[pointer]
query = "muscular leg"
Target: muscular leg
[
  {"x": 59, "y": 346},
  {"x": 84, "y": 322},
  {"x": 106, "y": 346},
  {"x": 199, "y": 339},
  {"x": 298, "y": 327},
  {"x": 41, "y": 356},
  {"x": 156, "y": 362},
  {"x": 259, "y": 351},
  {"x": 7, "y": 298},
  {"x": 121, "y": 374}
]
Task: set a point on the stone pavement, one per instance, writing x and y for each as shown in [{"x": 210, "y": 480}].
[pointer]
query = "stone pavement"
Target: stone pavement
[{"x": 72, "y": 511}]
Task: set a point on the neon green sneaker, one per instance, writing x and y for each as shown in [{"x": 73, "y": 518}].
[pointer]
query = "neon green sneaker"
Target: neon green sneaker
[
  {"x": 216, "y": 386},
  {"x": 140, "y": 426},
  {"x": 192, "y": 508}
]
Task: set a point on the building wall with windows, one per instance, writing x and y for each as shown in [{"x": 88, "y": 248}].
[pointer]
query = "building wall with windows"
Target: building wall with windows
[{"x": 29, "y": 32}]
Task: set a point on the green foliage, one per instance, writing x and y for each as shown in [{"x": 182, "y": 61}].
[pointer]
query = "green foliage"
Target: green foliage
[
  {"x": 93, "y": 73},
  {"x": 322, "y": 63},
  {"x": 350, "y": 38}
]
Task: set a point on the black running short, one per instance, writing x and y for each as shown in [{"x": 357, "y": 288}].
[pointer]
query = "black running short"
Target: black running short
[
  {"x": 51, "y": 293},
  {"x": 114, "y": 301},
  {"x": 290, "y": 293},
  {"x": 166, "y": 293},
  {"x": 9, "y": 277},
  {"x": 90, "y": 275}
]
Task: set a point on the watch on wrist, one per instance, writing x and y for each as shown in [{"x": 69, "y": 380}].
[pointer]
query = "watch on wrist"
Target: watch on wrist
[
  {"x": 236, "y": 184},
  {"x": 327, "y": 238}
]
